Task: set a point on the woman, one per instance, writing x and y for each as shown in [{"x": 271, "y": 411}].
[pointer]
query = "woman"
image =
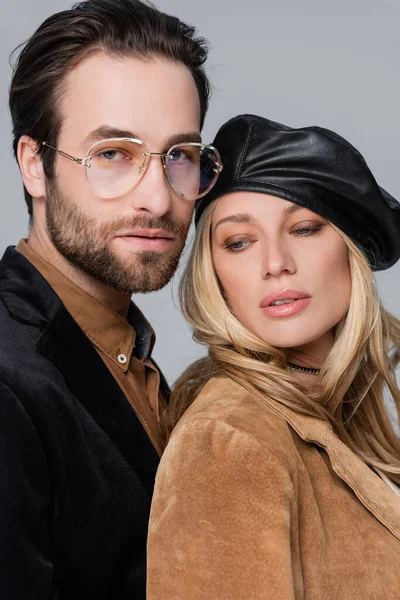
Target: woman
[{"x": 281, "y": 479}]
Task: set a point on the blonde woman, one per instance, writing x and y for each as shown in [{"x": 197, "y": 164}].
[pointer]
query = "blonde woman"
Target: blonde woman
[{"x": 281, "y": 479}]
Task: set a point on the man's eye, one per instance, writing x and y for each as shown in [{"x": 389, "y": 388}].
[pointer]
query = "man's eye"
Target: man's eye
[
  {"x": 112, "y": 155},
  {"x": 179, "y": 156}
]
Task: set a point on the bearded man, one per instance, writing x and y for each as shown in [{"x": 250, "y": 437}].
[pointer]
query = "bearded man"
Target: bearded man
[{"x": 107, "y": 102}]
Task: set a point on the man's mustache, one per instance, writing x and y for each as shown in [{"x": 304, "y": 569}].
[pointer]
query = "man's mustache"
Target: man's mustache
[{"x": 164, "y": 222}]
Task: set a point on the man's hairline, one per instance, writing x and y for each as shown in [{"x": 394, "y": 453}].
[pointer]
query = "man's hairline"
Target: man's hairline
[{"x": 60, "y": 88}]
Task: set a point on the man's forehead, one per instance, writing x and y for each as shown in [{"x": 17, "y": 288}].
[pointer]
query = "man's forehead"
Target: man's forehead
[{"x": 155, "y": 100}]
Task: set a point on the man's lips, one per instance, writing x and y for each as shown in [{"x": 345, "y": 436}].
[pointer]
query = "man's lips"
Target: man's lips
[
  {"x": 285, "y": 303},
  {"x": 147, "y": 233},
  {"x": 142, "y": 240}
]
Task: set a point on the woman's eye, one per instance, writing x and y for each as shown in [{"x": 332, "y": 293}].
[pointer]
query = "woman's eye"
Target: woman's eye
[
  {"x": 236, "y": 246},
  {"x": 305, "y": 231}
]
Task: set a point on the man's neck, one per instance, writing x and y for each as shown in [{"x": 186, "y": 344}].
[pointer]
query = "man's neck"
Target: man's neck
[{"x": 117, "y": 301}]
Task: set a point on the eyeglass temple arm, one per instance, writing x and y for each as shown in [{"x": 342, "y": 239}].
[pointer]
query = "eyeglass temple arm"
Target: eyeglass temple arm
[{"x": 80, "y": 161}]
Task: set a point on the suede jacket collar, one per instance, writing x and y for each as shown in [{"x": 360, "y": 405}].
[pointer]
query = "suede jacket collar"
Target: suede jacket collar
[{"x": 368, "y": 486}]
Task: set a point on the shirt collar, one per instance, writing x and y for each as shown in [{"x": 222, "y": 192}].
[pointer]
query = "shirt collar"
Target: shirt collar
[{"x": 110, "y": 333}]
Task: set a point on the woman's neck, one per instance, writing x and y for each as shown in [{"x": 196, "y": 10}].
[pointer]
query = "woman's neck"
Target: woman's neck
[{"x": 312, "y": 355}]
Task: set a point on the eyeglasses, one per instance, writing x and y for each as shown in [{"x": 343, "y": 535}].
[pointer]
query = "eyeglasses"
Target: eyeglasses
[{"x": 114, "y": 166}]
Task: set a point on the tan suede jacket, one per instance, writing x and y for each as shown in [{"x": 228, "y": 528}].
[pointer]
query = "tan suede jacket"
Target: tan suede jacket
[{"x": 253, "y": 501}]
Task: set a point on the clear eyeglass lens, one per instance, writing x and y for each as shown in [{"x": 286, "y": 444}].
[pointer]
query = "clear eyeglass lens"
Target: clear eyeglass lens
[
  {"x": 192, "y": 169},
  {"x": 115, "y": 166}
]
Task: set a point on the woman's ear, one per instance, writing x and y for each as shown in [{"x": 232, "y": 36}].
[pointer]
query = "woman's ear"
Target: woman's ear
[{"x": 30, "y": 164}]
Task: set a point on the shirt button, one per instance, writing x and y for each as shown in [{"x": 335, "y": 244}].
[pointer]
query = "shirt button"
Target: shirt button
[{"x": 122, "y": 359}]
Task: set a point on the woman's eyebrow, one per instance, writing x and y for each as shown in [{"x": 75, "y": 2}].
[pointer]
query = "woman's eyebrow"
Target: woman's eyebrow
[
  {"x": 292, "y": 209},
  {"x": 237, "y": 218},
  {"x": 247, "y": 218}
]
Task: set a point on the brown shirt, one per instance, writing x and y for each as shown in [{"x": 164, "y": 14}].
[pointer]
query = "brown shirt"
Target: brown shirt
[{"x": 125, "y": 345}]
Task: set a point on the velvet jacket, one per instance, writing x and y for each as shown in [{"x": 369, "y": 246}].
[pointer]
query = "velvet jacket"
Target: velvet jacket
[
  {"x": 76, "y": 466},
  {"x": 254, "y": 502}
]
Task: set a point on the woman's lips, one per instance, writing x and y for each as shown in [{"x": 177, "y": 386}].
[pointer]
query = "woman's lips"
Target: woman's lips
[
  {"x": 284, "y": 303},
  {"x": 286, "y": 310}
]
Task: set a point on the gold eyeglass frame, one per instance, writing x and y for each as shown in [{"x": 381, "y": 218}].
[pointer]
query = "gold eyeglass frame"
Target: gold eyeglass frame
[{"x": 146, "y": 160}]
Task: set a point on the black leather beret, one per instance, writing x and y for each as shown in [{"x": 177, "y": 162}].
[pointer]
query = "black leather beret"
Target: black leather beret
[{"x": 316, "y": 168}]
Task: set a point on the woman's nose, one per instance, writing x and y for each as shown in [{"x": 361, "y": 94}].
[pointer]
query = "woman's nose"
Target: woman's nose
[{"x": 277, "y": 259}]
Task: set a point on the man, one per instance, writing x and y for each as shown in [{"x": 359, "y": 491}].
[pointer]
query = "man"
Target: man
[{"x": 107, "y": 102}]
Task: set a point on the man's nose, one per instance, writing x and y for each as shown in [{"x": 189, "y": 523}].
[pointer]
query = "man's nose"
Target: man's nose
[{"x": 153, "y": 193}]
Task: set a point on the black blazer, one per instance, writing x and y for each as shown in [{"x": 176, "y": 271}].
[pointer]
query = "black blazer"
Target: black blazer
[{"x": 76, "y": 466}]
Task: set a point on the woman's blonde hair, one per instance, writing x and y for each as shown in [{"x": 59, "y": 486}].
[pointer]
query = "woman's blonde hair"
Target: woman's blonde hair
[{"x": 359, "y": 368}]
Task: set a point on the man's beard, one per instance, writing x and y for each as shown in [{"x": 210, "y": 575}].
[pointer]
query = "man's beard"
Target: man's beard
[{"x": 87, "y": 245}]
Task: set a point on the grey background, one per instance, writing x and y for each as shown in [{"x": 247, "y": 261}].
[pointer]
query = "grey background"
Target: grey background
[{"x": 334, "y": 64}]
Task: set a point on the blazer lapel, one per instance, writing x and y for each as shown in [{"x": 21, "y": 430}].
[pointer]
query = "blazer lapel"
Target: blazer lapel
[
  {"x": 31, "y": 300},
  {"x": 66, "y": 345}
]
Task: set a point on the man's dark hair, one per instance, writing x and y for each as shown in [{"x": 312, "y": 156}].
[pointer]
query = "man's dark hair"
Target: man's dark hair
[{"x": 117, "y": 27}]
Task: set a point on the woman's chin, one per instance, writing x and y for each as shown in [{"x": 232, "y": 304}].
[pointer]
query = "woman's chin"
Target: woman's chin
[{"x": 294, "y": 339}]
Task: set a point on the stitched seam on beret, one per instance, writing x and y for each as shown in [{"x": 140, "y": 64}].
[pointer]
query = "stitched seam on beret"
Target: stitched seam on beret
[
  {"x": 245, "y": 149},
  {"x": 339, "y": 138},
  {"x": 281, "y": 187},
  {"x": 286, "y": 189},
  {"x": 349, "y": 146}
]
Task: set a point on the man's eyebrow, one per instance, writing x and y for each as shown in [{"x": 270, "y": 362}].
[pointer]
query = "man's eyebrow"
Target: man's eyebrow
[
  {"x": 237, "y": 218},
  {"x": 191, "y": 136},
  {"x": 106, "y": 132}
]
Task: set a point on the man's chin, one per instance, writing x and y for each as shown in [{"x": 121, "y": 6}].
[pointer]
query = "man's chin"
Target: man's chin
[
  {"x": 128, "y": 272},
  {"x": 140, "y": 273}
]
